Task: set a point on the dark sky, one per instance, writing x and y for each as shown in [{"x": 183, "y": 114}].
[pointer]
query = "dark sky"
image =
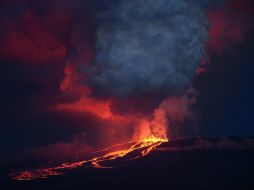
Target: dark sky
[
  {"x": 226, "y": 92},
  {"x": 39, "y": 40}
]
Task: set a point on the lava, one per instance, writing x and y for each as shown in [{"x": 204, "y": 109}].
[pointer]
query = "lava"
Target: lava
[{"x": 134, "y": 150}]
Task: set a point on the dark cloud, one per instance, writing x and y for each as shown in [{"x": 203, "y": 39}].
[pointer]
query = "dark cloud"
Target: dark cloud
[{"x": 148, "y": 47}]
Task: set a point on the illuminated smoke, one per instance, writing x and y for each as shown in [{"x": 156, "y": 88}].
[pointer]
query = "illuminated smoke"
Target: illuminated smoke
[
  {"x": 166, "y": 119},
  {"x": 148, "y": 47},
  {"x": 142, "y": 49}
]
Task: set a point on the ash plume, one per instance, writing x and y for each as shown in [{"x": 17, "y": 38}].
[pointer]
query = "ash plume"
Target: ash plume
[{"x": 147, "y": 47}]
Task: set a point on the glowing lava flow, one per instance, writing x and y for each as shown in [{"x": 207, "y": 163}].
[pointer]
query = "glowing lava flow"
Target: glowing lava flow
[{"x": 142, "y": 147}]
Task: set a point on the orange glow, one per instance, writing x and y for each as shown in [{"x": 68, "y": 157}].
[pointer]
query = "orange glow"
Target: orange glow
[
  {"x": 153, "y": 139},
  {"x": 142, "y": 148}
]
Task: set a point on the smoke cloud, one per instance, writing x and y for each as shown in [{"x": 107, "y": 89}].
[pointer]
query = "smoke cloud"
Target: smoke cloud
[{"x": 148, "y": 47}]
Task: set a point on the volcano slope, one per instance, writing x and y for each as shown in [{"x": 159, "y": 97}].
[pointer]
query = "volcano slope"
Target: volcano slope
[{"x": 193, "y": 163}]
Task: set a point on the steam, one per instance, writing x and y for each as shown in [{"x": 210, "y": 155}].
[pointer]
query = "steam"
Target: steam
[
  {"x": 171, "y": 112},
  {"x": 148, "y": 47}
]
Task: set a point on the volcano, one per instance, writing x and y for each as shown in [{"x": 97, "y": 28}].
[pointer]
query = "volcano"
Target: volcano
[{"x": 193, "y": 163}]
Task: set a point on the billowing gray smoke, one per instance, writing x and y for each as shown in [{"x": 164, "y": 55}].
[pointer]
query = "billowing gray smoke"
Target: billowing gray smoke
[{"x": 148, "y": 47}]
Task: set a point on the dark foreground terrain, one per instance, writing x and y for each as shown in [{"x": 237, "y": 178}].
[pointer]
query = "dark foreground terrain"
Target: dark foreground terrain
[{"x": 226, "y": 163}]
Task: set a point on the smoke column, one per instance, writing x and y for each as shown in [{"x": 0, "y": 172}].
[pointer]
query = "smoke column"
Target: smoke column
[
  {"x": 148, "y": 47},
  {"x": 145, "y": 56}
]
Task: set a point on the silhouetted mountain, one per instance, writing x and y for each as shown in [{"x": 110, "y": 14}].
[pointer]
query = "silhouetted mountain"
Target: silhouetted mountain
[{"x": 193, "y": 163}]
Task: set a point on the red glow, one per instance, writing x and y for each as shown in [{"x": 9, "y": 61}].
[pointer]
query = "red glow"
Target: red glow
[
  {"x": 88, "y": 105},
  {"x": 228, "y": 25},
  {"x": 34, "y": 39}
]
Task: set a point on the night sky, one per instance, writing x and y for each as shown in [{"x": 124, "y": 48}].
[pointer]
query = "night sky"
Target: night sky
[{"x": 54, "y": 104}]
